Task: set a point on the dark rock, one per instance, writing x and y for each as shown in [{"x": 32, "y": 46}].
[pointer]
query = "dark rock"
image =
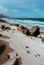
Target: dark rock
[
  {"x": 2, "y": 48},
  {"x": 27, "y": 47},
  {"x": 38, "y": 55},
  {"x": 28, "y": 51},
  {"x": 1, "y": 35},
  {"x": 3, "y": 27},
  {"x": 16, "y": 25},
  {"x": 16, "y": 54},
  {"x": 17, "y": 61},
  {"x": 26, "y": 31},
  {"x": 1, "y": 20},
  {"x": 8, "y": 56},
  {"x": 7, "y": 28},
  {"x": 35, "y": 31}
]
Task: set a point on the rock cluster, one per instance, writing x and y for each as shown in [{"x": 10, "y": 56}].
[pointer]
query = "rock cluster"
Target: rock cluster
[
  {"x": 24, "y": 30},
  {"x": 34, "y": 31},
  {"x": 4, "y": 27}
]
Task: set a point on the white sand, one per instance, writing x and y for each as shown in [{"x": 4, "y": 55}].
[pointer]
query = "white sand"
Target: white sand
[{"x": 19, "y": 41}]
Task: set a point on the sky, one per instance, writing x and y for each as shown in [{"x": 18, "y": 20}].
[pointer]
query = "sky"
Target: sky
[{"x": 22, "y": 8}]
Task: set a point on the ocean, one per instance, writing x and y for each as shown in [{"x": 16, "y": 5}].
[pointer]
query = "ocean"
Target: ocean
[{"x": 28, "y": 23}]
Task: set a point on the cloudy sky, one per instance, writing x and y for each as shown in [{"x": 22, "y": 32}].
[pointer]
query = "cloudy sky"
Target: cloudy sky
[{"x": 22, "y": 8}]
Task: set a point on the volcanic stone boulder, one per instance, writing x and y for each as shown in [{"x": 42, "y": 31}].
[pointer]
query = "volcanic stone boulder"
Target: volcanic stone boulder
[{"x": 35, "y": 31}]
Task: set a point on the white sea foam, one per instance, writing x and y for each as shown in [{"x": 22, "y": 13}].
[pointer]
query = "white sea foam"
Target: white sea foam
[{"x": 30, "y": 22}]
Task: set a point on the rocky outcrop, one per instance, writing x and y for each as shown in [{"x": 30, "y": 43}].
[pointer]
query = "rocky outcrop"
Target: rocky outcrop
[
  {"x": 7, "y": 27},
  {"x": 24, "y": 30},
  {"x": 21, "y": 28},
  {"x": 4, "y": 27},
  {"x": 35, "y": 31}
]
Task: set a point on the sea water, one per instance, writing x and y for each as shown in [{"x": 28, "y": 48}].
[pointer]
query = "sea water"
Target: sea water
[{"x": 28, "y": 23}]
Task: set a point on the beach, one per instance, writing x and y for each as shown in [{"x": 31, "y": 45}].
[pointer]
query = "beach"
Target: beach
[{"x": 29, "y": 48}]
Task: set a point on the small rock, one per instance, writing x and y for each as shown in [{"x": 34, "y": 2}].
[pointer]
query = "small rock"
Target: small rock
[
  {"x": 27, "y": 47},
  {"x": 35, "y": 55},
  {"x": 38, "y": 55},
  {"x": 17, "y": 61},
  {"x": 16, "y": 54},
  {"x": 28, "y": 51},
  {"x": 8, "y": 56}
]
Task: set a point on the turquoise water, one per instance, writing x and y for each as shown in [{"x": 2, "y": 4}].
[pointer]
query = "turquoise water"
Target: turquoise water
[{"x": 28, "y": 22}]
